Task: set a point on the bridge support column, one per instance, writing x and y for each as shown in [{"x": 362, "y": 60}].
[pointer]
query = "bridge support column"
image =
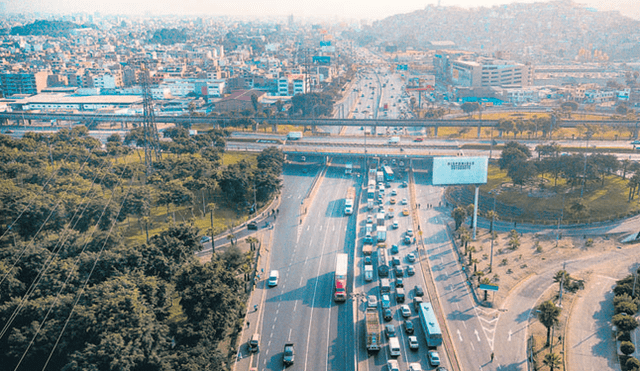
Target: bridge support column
[
  {"x": 435, "y": 131},
  {"x": 274, "y": 128},
  {"x": 475, "y": 213},
  {"x": 479, "y": 130}
]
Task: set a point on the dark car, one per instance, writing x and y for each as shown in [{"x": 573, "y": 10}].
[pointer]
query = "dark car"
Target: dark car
[
  {"x": 408, "y": 326},
  {"x": 395, "y": 261},
  {"x": 387, "y": 315},
  {"x": 252, "y": 226},
  {"x": 399, "y": 271},
  {"x": 289, "y": 354},
  {"x": 394, "y": 249},
  {"x": 367, "y": 260},
  {"x": 418, "y": 290}
]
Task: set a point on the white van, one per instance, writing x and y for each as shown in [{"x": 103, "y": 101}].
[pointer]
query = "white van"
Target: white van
[
  {"x": 394, "y": 347},
  {"x": 273, "y": 278}
]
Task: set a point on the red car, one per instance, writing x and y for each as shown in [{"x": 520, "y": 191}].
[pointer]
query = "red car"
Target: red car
[{"x": 418, "y": 140}]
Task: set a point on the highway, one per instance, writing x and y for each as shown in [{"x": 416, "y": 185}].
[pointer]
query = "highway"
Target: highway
[{"x": 300, "y": 308}]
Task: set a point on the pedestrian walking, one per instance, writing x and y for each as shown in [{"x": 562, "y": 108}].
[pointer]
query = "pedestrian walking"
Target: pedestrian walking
[
  {"x": 255, "y": 308},
  {"x": 491, "y": 356}
]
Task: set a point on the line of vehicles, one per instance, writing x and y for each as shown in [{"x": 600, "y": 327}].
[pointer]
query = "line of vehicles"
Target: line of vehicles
[{"x": 391, "y": 272}]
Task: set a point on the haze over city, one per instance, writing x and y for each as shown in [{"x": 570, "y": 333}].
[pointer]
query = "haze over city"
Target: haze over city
[{"x": 335, "y": 9}]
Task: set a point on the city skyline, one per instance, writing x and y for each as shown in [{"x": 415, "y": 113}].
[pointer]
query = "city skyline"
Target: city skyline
[{"x": 329, "y": 9}]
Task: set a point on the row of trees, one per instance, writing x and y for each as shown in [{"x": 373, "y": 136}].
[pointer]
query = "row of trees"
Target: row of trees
[
  {"x": 625, "y": 304},
  {"x": 574, "y": 169},
  {"x": 74, "y": 295}
]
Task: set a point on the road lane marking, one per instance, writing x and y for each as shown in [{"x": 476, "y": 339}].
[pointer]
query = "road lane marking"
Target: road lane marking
[
  {"x": 477, "y": 335},
  {"x": 459, "y": 335},
  {"x": 509, "y": 338}
]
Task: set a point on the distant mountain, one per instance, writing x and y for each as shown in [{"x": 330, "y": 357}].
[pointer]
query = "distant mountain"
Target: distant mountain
[
  {"x": 47, "y": 28},
  {"x": 535, "y": 31}
]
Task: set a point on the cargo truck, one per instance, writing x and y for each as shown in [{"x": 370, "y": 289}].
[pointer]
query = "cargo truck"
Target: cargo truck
[
  {"x": 340, "y": 281},
  {"x": 349, "y": 200},
  {"x": 373, "y": 329}
]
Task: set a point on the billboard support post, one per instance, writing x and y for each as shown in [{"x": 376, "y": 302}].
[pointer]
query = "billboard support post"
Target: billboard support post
[{"x": 475, "y": 212}]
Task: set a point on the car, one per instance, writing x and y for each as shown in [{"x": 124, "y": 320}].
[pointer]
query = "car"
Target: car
[
  {"x": 416, "y": 303},
  {"x": 273, "y": 278},
  {"x": 390, "y": 330},
  {"x": 434, "y": 358},
  {"x": 410, "y": 271},
  {"x": 252, "y": 226},
  {"x": 289, "y": 354},
  {"x": 407, "y": 240},
  {"x": 635, "y": 142},
  {"x": 441, "y": 369},
  {"x": 372, "y": 301},
  {"x": 415, "y": 366},
  {"x": 395, "y": 224},
  {"x": 408, "y": 326},
  {"x": 367, "y": 260},
  {"x": 390, "y": 213},
  {"x": 404, "y": 201},
  {"x": 411, "y": 257},
  {"x": 405, "y": 311},
  {"x": 394, "y": 192},
  {"x": 369, "y": 219},
  {"x": 418, "y": 139},
  {"x": 413, "y": 342},
  {"x": 392, "y": 365},
  {"x": 404, "y": 184},
  {"x": 405, "y": 211},
  {"x": 386, "y": 301},
  {"x": 410, "y": 232},
  {"x": 399, "y": 282},
  {"x": 394, "y": 249},
  {"x": 205, "y": 239},
  {"x": 386, "y": 314},
  {"x": 399, "y": 271},
  {"x": 418, "y": 291},
  {"x": 395, "y": 261},
  {"x": 392, "y": 200},
  {"x": 387, "y": 185}
]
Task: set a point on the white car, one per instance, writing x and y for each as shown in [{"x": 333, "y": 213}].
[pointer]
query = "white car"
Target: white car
[
  {"x": 394, "y": 192},
  {"x": 410, "y": 232},
  {"x": 372, "y": 301},
  {"x": 395, "y": 224},
  {"x": 273, "y": 278},
  {"x": 404, "y": 201},
  {"x": 392, "y": 365},
  {"x": 406, "y": 311},
  {"x": 434, "y": 358},
  {"x": 411, "y": 258},
  {"x": 413, "y": 342},
  {"x": 415, "y": 367}
]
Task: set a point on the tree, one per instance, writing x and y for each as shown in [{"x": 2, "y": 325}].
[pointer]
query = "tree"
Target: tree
[
  {"x": 627, "y": 348},
  {"x": 632, "y": 364},
  {"x": 254, "y": 102},
  {"x": 624, "y": 322},
  {"x": 459, "y": 215},
  {"x": 470, "y": 107},
  {"x": 492, "y": 216},
  {"x": 521, "y": 171},
  {"x": 548, "y": 315},
  {"x": 506, "y": 126},
  {"x": 512, "y": 152},
  {"x": 552, "y": 361},
  {"x": 569, "y": 107}
]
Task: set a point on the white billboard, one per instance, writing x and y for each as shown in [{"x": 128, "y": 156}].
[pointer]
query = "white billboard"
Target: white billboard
[{"x": 459, "y": 170}]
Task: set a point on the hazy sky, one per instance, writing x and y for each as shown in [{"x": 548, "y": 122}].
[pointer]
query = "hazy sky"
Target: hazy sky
[{"x": 368, "y": 9}]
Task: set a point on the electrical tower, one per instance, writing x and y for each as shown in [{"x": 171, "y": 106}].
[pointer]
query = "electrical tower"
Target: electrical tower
[{"x": 151, "y": 140}]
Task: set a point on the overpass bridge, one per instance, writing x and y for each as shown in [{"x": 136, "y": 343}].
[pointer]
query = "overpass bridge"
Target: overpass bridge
[{"x": 91, "y": 120}]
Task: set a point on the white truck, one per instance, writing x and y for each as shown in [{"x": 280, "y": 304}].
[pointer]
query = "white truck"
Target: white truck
[
  {"x": 349, "y": 200},
  {"x": 294, "y": 135},
  {"x": 394, "y": 347},
  {"x": 394, "y": 140}
]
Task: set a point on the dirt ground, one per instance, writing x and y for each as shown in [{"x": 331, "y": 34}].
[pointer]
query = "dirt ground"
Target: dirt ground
[{"x": 511, "y": 266}]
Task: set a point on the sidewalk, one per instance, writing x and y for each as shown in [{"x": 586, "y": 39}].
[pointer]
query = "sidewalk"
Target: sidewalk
[{"x": 246, "y": 360}]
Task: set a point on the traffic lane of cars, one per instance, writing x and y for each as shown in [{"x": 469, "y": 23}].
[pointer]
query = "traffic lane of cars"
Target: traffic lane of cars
[{"x": 298, "y": 308}]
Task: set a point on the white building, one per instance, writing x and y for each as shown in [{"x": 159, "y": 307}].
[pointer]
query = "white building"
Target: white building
[{"x": 107, "y": 81}]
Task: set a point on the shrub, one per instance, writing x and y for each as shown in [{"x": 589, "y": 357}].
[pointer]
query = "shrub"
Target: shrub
[
  {"x": 627, "y": 347},
  {"x": 632, "y": 364}
]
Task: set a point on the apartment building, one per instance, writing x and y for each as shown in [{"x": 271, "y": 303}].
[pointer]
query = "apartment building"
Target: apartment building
[
  {"x": 291, "y": 85},
  {"x": 486, "y": 72},
  {"x": 23, "y": 82}
]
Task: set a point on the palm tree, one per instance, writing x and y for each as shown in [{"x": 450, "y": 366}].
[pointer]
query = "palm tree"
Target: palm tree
[
  {"x": 552, "y": 360},
  {"x": 548, "y": 315},
  {"x": 492, "y": 216}
]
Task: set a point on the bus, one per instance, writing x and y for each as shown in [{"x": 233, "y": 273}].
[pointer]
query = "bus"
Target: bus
[
  {"x": 383, "y": 262},
  {"x": 388, "y": 173},
  {"x": 340, "y": 284},
  {"x": 430, "y": 325}
]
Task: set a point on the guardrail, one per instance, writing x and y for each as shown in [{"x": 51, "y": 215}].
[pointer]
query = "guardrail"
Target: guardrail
[{"x": 311, "y": 193}]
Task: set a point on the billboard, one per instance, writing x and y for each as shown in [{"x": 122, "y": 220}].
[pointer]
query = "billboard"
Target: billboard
[
  {"x": 459, "y": 170},
  {"x": 325, "y": 43},
  {"x": 317, "y": 59}
]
